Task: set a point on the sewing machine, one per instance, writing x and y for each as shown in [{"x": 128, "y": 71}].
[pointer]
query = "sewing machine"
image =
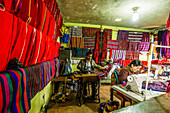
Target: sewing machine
[{"x": 134, "y": 82}]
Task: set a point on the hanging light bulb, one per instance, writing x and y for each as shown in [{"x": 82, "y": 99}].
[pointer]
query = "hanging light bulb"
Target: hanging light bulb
[{"x": 135, "y": 16}]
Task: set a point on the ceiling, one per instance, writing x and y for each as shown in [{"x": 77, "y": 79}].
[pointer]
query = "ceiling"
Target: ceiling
[{"x": 152, "y": 13}]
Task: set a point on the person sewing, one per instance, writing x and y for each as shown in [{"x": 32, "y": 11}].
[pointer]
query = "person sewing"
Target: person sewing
[
  {"x": 86, "y": 66},
  {"x": 133, "y": 68}
]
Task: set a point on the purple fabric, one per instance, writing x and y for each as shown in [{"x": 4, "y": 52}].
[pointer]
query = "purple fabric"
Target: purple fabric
[
  {"x": 144, "y": 46},
  {"x": 164, "y": 42}
]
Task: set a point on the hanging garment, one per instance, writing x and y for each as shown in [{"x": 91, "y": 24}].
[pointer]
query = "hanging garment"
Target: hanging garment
[
  {"x": 100, "y": 53},
  {"x": 133, "y": 46},
  {"x": 113, "y": 44},
  {"x": 26, "y": 46},
  {"x": 122, "y": 35},
  {"x": 6, "y": 33},
  {"x": 109, "y": 33},
  {"x": 168, "y": 21},
  {"x": 19, "y": 41},
  {"x": 123, "y": 45},
  {"x": 118, "y": 54},
  {"x": 164, "y": 42},
  {"x": 8, "y": 4},
  {"x": 160, "y": 36},
  {"x": 144, "y": 46}
]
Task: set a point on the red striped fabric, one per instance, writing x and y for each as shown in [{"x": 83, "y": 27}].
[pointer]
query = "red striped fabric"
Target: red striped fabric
[{"x": 6, "y": 22}]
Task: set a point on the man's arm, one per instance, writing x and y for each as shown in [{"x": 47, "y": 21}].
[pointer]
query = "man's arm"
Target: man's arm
[{"x": 96, "y": 65}]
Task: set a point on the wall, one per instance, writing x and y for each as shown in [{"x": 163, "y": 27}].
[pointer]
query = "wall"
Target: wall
[{"x": 37, "y": 101}]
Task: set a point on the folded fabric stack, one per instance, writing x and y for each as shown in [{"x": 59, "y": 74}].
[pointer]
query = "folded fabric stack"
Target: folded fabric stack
[{"x": 19, "y": 86}]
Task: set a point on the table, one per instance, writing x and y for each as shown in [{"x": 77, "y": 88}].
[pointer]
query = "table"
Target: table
[
  {"x": 135, "y": 97},
  {"x": 82, "y": 79},
  {"x": 59, "y": 79}
]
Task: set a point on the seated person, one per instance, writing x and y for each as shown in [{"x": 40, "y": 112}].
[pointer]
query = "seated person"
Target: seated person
[
  {"x": 88, "y": 64},
  {"x": 85, "y": 66},
  {"x": 133, "y": 68}
]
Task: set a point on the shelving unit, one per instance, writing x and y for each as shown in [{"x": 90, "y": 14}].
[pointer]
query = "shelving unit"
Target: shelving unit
[{"x": 149, "y": 63}]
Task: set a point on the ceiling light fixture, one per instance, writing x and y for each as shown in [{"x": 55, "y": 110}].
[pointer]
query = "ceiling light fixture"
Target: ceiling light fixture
[
  {"x": 118, "y": 19},
  {"x": 135, "y": 16},
  {"x": 94, "y": 6}
]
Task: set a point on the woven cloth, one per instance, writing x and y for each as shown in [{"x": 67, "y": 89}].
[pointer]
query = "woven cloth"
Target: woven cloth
[
  {"x": 123, "y": 45},
  {"x": 75, "y": 31},
  {"x": 133, "y": 36},
  {"x": 113, "y": 44},
  {"x": 132, "y": 55},
  {"x": 144, "y": 46}
]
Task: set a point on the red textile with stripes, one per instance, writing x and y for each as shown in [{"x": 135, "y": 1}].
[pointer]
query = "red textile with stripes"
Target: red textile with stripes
[
  {"x": 24, "y": 10},
  {"x": 27, "y": 45},
  {"x": 30, "y": 48},
  {"x": 34, "y": 13},
  {"x": 42, "y": 48},
  {"x": 35, "y": 49},
  {"x": 46, "y": 26},
  {"x": 19, "y": 41},
  {"x": 7, "y": 4},
  {"x": 6, "y": 22}
]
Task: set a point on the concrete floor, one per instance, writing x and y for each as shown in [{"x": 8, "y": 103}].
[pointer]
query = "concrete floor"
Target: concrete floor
[{"x": 70, "y": 106}]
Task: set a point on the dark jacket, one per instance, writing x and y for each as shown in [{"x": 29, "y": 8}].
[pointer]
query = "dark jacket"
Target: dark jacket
[
  {"x": 82, "y": 65},
  {"x": 125, "y": 72}
]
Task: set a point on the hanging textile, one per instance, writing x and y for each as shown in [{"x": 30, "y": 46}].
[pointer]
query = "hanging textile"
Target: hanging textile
[
  {"x": 89, "y": 42},
  {"x": 133, "y": 36},
  {"x": 79, "y": 52},
  {"x": 100, "y": 52},
  {"x": 168, "y": 21},
  {"x": 160, "y": 36},
  {"x": 113, "y": 44},
  {"x": 109, "y": 33},
  {"x": 117, "y": 54},
  {"x": 19, "y": 40},
  {"x": 89, "y": 35},
  {"x": 123, "y": 45},
  {"x": 144, "y": 46},
  {"x": 75, "y": 31},
  {"x": 133, "y": 46},
  {"x": 6, "y": 33},
  {"x": 164, "y": 42},
  {"x": 76, "y": 42},
  {"x": 132, "y": 55}
]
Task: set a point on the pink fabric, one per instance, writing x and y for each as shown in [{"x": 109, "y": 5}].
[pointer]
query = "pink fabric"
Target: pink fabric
[{"x": 7, "y": 93}]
